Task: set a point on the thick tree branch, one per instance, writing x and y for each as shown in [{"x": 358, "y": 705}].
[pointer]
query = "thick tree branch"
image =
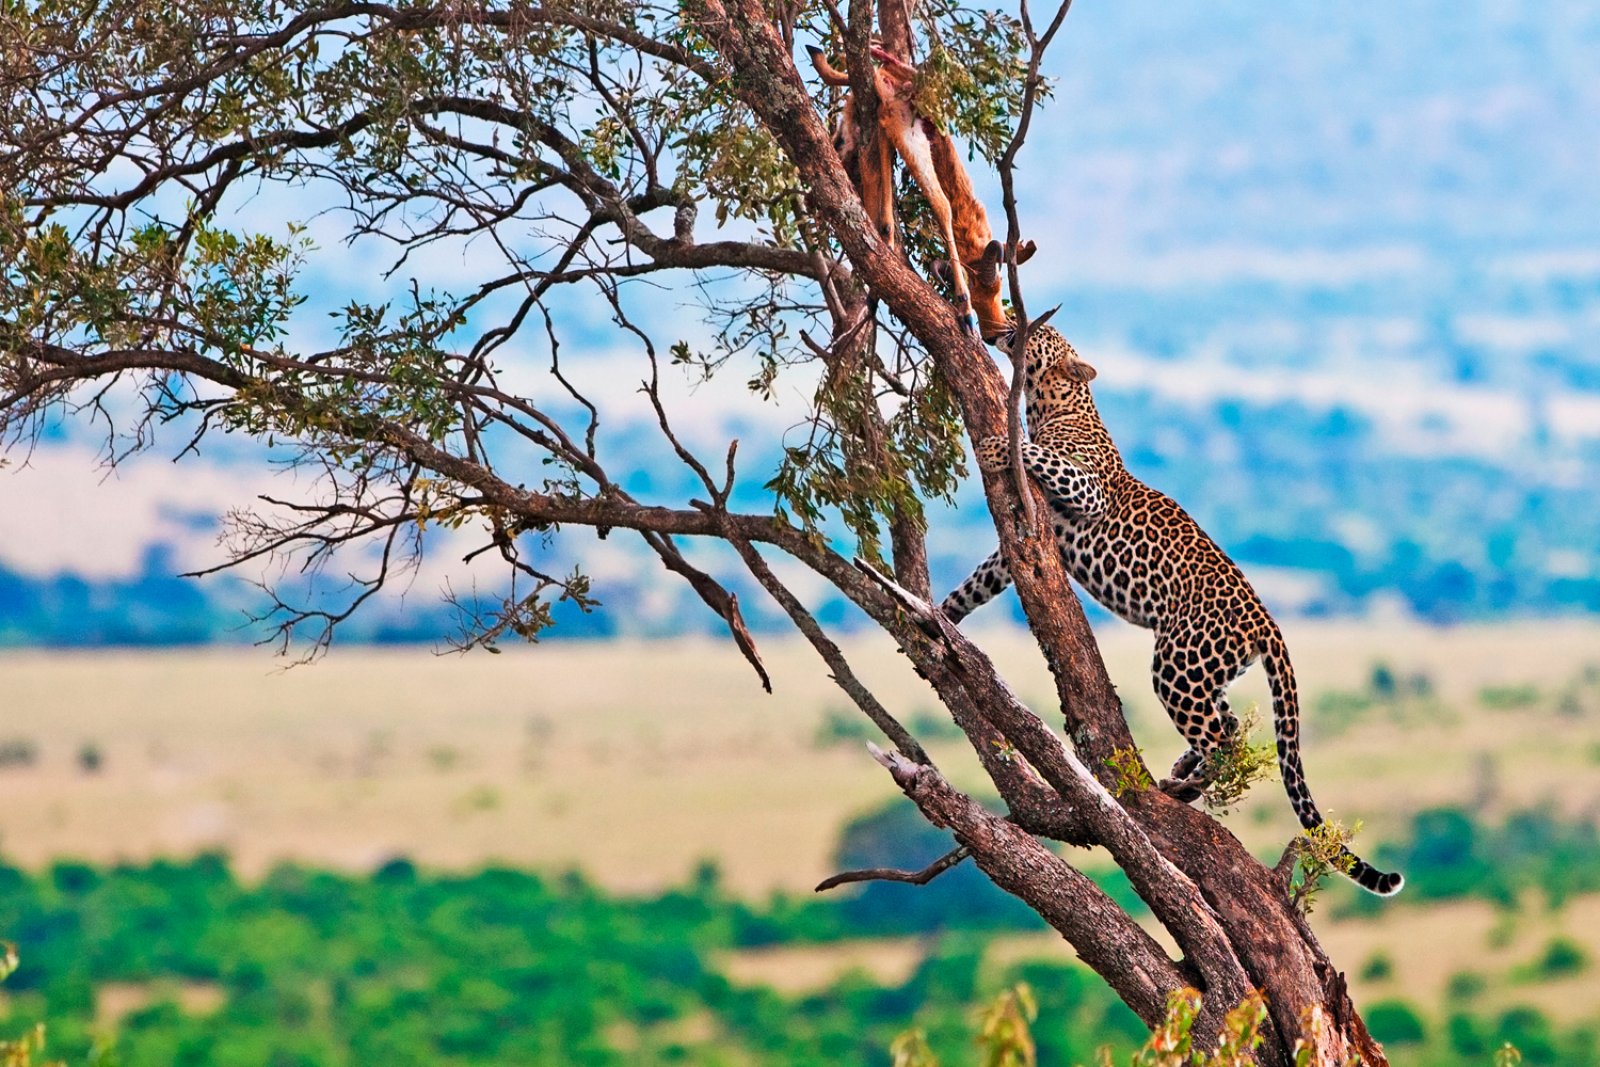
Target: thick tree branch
[
  {"x": 1173, "y": 898},
  {"x": 1099, "y": 931}
]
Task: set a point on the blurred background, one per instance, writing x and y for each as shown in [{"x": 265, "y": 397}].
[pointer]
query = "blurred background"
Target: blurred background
[{"x": 1339, "y": 269}]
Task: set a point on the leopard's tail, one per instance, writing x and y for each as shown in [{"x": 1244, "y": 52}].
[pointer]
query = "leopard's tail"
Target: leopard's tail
[{"x": 1286, "y": 726}]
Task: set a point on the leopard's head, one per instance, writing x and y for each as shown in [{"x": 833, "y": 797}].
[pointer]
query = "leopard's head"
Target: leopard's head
[
  {"x": 1055, "y": 382},
  {"x": 1050, "y": 363}
]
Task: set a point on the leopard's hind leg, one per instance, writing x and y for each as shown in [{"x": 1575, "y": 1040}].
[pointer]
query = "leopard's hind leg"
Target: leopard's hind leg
[{"x": 1191, "y": 673}]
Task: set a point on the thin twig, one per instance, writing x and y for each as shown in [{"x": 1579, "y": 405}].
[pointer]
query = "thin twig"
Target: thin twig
[
  {"x": 717, "y": 598},
  {"x": 807, "y": 624},
  {"x": 836, "y": 346},
  {"x": 889, "y": 874},
  {"x": 555, "y": 369},
  {"x": 1007, "y": 170}
]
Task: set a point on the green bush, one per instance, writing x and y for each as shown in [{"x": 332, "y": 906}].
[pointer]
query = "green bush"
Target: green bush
[
  {"x": 1382, "y": 682},
  {"x": 1560, "y": 958},
  {"x": 841, "y": 726},
  {"x": 407, "y": 967},
  {"x": 1469, "y": 1036},
  {"x": 18, "y": 752},
  {"x": 1446, "y": 858},
  {"x": 1464, "y": 985},
  {"x": 1394, "y": 1022},
  {"x": 930, "y": 726},
  {"x": 90, "y": 758},
  {"x": 1508, "y": 697},
  {"x": 1451, "y": 853},
  {"x": 1378, "y": 968},
  {"x": 1532, "y": 1034}
]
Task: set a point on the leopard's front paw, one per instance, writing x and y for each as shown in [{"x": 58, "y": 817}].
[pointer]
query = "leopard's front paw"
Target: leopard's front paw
[{"x": 994, "y": 453}]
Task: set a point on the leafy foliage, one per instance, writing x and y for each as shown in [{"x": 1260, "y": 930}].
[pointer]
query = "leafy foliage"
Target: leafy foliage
[
  {"x": 572, "y": 148},
  {"x": 1131, "y": 776},
  {"x": 1004, "y": 1036},
  {"x": 403, "y": 966},
  {"x": 1394, "y": 1022},
  {"x": 1004, "y": 1033},
  {"x": 910, "y": 1049},
  {"x": 1320, "y": 852},
  {"x": 1378, "y": 968},
  {"x": 1171, "y": 1042},
  {"x": 1559, "y": 958},
  {"x": 1238, "y": 764},
  {"x": 21, "y": 1051},
  {"x": 972, "y": 79}
]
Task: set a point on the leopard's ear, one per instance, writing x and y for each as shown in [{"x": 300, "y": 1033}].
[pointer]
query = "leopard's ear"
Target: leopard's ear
[{"x": 1078, "y": 370}]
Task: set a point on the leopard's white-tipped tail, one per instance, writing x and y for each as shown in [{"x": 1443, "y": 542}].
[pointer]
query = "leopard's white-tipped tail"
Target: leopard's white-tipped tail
[{"x": 1286, "y": 729}]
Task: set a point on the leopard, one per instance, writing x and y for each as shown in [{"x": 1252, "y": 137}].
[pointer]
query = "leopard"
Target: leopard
[{"x": 1138, "y": 553}]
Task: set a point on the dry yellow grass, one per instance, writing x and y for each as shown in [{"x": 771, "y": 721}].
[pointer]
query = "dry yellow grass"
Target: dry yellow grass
[
  {"x": 632, "y": 761},
  {"x": 798, "y": 969},
  {"x": 114, "y": 1001},
  {"x": 1429, "y": 945},
  {"x": 636, "y": 760}
]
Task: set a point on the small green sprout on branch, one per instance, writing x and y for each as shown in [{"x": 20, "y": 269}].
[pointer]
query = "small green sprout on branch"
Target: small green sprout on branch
[
  {"x": 1507, "y": 1056},
  {"x": 1003, "y": 1029},
  {"x": 910, "y": 1049},
  {"x": 1004, "y": 1038},
  {"x": 1171, "y": 1043},
  {"x": 1234, "y": 767},
  {"x": 1319, "y": 852},
  {"x": 1132, "y": 777}
]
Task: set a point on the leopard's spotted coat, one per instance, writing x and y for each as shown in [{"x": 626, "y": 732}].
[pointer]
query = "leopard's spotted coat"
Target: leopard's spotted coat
[{"x": 1140, "y": 554}]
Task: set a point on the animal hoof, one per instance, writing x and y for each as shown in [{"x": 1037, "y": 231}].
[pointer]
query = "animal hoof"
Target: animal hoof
[
  {"x": 1183, "y": 790},
  {"x": 969, "y": 324}
]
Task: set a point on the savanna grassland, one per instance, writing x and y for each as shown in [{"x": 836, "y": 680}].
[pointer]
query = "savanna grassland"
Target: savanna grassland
[{"x": 1471, "y": 756}]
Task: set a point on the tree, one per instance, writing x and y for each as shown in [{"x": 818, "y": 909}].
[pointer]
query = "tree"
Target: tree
[{"x": 577, "y": 145}]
